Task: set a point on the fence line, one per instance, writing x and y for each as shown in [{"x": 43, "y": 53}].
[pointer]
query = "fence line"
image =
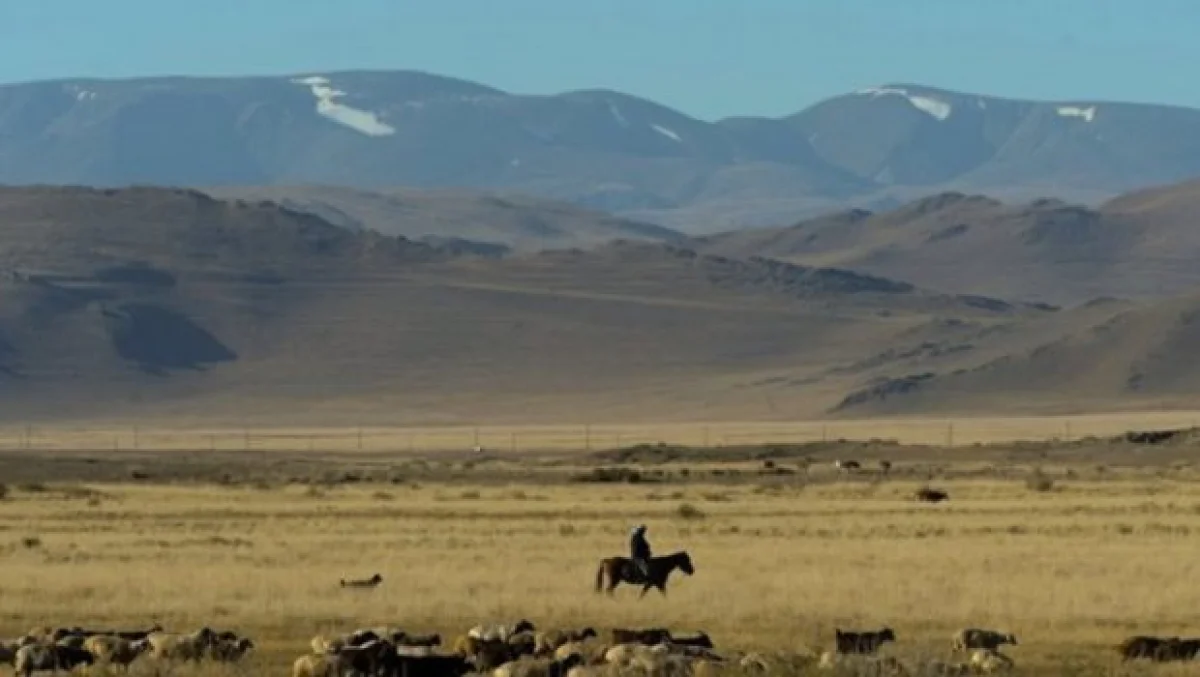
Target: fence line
[{"x": 582, "y": 438}]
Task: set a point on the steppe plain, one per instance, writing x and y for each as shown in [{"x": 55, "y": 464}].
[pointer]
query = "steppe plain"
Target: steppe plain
[{"x": 1071, "y": 545}]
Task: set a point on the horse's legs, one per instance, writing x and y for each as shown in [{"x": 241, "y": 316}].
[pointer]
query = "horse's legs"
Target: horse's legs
[{"x": 645, "y": 589}]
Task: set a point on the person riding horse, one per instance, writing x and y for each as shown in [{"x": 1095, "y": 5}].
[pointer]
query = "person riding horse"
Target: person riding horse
[{"x": 639, "y": 550}]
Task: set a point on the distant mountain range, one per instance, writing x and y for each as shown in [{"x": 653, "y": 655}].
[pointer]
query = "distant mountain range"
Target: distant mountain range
[{"x": 874, "y": 148}]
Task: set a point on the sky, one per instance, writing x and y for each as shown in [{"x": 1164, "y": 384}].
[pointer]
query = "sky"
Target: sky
[{"x": 706, "y": 58}]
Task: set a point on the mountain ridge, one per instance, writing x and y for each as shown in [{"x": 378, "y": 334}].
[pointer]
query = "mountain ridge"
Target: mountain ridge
[
  {"x": 593, "y": 147},
  {"x": 1138, "y": 245}
]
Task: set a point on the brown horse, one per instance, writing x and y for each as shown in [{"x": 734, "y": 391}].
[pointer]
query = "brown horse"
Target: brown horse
[{"x": 622, "y": 570}]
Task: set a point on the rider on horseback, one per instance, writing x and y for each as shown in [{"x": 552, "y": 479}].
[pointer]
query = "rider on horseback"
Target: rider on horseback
[{"x": 640, "y": 551}]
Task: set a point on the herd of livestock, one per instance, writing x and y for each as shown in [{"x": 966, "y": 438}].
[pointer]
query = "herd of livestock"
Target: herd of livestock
[{"x": 521, "y": 650}]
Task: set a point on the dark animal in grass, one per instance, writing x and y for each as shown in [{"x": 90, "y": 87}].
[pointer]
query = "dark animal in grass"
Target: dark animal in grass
[
  {"x": 700, "y": 640},
  {"x": 862, "y": 642},
  {"x": 405, "y": 639},
  {"x": 649, "y": 636},
  {"x": 371, "y": 658},
  {"x": 361, "y": 583},
  {"x": 930, "y": 495},
  {"x": 428, "y": 666},
  {"x": 622, "y": 570},
  {"x": 1176, "y": 649},
  {"x": 1140, "y": 646}
]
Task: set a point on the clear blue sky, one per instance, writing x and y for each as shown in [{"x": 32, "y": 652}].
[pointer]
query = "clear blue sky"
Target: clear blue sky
[{"x": 708, "y": 58}]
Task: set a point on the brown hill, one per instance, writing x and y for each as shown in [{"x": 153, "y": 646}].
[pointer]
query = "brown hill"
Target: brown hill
[
  {"x": 146, "y": 302},
  {"x": 1141, "y": 245},
  {"x": 517, "y": 221},
  {"x": 1139, "y": 357}
]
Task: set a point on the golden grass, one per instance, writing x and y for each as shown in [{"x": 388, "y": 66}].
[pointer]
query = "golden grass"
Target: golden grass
[
  {"x": 955, "y": 431},
  {"x": 1071, "y": 571}
]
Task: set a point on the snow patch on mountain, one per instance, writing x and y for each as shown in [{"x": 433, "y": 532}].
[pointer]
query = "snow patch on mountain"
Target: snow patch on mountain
[
  {"x": 934, "y": 107},
  {"x": 670, "y": 134},
  {"x": 616, "y": 113},
  {"x": 364, "y": 122},
  {"x": 1088, "y": 114}
]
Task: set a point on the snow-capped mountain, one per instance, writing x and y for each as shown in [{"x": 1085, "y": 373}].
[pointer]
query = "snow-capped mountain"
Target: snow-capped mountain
[{"x": 597, "y": 148}]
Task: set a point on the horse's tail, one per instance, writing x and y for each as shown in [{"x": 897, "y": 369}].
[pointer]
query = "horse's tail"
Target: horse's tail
[{"x": 600, "y": 576}]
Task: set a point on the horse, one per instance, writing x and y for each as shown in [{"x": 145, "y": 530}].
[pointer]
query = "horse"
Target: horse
[{"x": 622, "y": 570}]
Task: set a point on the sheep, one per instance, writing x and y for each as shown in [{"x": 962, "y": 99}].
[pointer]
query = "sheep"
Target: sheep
[
  {"x": 847, "y": 465},
  {"x": 134, "y": 635},
  {"x": 488, "y": 654},
  {"x": 602, "y": 670},
  {"x": 361, "y": 583},
  {"x": 406, "y": 650},
  {"x": 1176, "y": 649},
  {"x": 631, "y": 653},
  {"x": 989, "y": 661},
  {"x": 36, "y": 657},
  {"x": 977, "y": 638},
  {"x": 369, "y": 658},
  {"x": 429, "y": 666},
  {"x": 115, "y": 650},
  {"x": 538, "y": 667},
  {"x": 229, "y": 651},
  {"x": 522, "y": 644},
  {"x": 549, "y": 640},
  {"x": 863, "y": 665},
  {"x": 592, "y": 651},
  {"x": 189, "y": 646},
  {"x": 8, "y": 651},
  {"x": 501, "y": 632},
  {"x": 885, "y": 466},
  {"x": 73, "y": 641},
  {"x": 700, "y": 640},
  {"x": 360, "y": 637},
  {"x": 754, "y": 662},
  {"x": 1139, "y": 646},
  {"x": 321, "y": 644},
  {"x": 405, "y": 639},
  {"x": 862, "y": 642},
  {"x": 465, "y": 645},
  {"x": 387, "y": 632},
  {"x": 649, "y": 636},
  {"x": 319, "y": 665}
]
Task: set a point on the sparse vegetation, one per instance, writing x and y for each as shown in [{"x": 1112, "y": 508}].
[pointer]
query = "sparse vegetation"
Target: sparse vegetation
[
  {"x": 1039, "y": 481},
  {"x": 688, "y": 511}
]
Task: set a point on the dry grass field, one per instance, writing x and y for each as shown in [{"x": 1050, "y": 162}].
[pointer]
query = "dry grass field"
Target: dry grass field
[
  {"x": 189, "y": 435},
  {"x": 1071, "y": 549}
]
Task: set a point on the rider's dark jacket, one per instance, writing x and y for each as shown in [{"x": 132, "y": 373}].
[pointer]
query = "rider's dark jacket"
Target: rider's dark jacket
[{"x": 638, "y": 547}]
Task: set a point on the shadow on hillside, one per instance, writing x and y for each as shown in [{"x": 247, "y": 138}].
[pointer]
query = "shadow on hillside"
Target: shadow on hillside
[{"x": 159, "y": 339}]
